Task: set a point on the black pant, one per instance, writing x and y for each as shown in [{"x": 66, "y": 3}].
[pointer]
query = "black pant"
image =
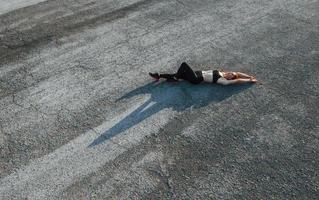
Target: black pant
[{"x": 186, "y": 73}]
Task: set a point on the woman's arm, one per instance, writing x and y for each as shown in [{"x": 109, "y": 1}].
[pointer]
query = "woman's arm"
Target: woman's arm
[
  {"x": 243, "y": 75},
  {"x": 224, "y": 81}
]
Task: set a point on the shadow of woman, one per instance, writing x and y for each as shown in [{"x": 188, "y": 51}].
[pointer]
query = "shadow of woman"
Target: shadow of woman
[{"x": 164, "y": 95}]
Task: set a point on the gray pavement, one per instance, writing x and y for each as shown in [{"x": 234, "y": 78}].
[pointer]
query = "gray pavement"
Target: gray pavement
[{"x": 81, "y": 119}]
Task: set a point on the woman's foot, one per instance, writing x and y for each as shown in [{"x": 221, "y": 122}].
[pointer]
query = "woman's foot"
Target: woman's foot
[{"x": 155, "y": 76}]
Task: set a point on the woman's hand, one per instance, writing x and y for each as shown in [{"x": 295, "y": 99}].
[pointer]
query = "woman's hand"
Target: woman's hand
[{"x": 253, "y": 79}]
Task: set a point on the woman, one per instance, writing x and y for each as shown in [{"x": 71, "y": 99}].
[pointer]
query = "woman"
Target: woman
[{"x": 211, "y": 76}]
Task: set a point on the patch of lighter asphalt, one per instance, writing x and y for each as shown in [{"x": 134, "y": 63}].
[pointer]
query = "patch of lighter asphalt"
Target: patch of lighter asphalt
[
  {"x": 49, "y": 175},
  {"x": 10, "y": 5}
]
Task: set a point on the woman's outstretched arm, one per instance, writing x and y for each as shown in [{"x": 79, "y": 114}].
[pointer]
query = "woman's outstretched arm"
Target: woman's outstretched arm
[
  {"x": 243, "y": 75},
  {"x": 224, "y": 81}
]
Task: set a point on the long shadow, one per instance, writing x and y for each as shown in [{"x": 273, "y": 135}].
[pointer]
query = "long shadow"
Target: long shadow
[{"x": 166, "y": 95}]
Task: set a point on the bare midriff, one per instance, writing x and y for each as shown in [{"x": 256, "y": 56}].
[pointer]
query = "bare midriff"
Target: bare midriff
[{"x": 208, "y": 75}]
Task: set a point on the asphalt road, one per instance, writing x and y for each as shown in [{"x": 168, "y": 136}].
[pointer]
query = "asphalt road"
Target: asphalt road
[{"x": 81, "y": 119}]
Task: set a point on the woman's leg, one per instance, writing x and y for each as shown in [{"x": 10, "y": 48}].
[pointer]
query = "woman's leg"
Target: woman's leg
[
  {"x": 167, "y": 76},
  {"x": 186, "y": 73}
]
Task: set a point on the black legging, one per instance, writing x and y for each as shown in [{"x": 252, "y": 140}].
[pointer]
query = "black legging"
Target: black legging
[{"x": 186, "y": 73}]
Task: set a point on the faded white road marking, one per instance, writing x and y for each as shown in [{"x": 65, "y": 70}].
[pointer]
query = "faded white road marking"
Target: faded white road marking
[
  {"x": 10, "y": 5},
  {"x": 54, "y": 172}
]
